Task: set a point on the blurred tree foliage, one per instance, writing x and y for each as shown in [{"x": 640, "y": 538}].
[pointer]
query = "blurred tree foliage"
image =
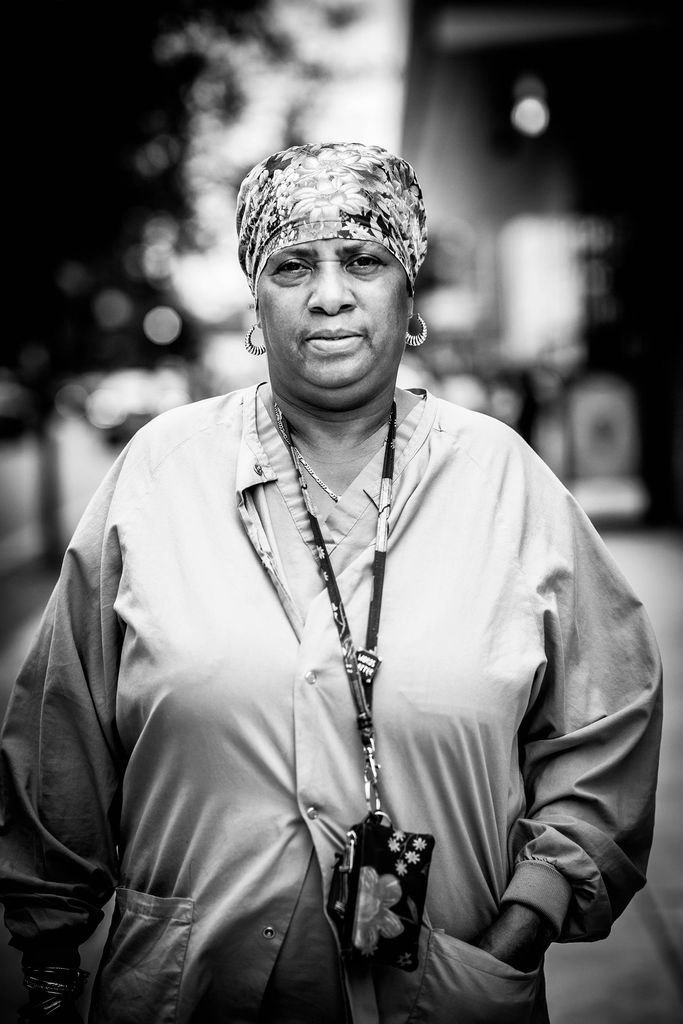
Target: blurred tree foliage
[
  {"x": 115, "y": 108},
  {"x": 119, "y": 160}
]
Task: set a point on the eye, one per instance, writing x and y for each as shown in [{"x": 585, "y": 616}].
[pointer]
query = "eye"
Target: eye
[
  {"x": 292, "y": 267},
  {"x": 363, "y": 263}
]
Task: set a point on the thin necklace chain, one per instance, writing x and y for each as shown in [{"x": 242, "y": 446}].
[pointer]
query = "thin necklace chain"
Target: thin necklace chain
[
  {"x": 309, "y": 469},
  {"x": 312, "y": 472}
]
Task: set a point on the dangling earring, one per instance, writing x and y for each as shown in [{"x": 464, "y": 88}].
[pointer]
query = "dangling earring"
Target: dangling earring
[
  {"x": 417, "y": 339},
  {"x": 253, "y": 350}
]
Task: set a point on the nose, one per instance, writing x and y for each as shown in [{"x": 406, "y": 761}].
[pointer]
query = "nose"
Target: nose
[{"x": 330, "y": 291}]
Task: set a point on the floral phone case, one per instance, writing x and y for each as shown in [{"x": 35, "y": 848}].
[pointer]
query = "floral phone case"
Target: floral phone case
[{"x": 378, "y": 891}]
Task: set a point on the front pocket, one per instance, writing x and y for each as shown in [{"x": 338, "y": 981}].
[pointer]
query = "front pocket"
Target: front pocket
[
  {"x": 143, "y": 959},
  {"x": 463, "y": 983}
]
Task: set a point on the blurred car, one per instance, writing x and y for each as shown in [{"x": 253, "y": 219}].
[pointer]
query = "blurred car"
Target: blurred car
[{"x": 125, "y": 400}]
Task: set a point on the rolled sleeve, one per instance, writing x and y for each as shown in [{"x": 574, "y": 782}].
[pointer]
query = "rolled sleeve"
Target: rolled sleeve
[
  {"x": 60, "y": 762},
  {"x": 538, "y": 884},
  {"x": 590, "y": 743}
]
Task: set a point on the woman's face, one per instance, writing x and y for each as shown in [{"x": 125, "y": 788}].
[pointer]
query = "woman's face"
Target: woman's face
[{"x": 334, "y": 315}]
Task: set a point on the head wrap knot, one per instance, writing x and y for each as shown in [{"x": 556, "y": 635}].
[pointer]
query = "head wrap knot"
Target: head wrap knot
[{"x": 330, "y": 190}]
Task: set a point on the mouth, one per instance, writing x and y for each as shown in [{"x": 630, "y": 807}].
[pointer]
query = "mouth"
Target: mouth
[{"x": 329, "y": 335}]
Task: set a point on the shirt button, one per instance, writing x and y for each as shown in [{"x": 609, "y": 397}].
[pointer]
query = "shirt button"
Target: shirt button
[
  {"x": 268, "y": 932},
  {"x": 312, "y": 813},
  {"x": 311, "y": 678},
  {"x": 258, "y": 468}
]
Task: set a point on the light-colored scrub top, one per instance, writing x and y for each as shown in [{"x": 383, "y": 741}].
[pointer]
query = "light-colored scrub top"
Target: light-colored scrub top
[{"x": 183, "y": 729}]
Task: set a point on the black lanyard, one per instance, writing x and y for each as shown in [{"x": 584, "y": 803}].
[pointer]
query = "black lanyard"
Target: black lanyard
[{"x": 361, "y": 663}]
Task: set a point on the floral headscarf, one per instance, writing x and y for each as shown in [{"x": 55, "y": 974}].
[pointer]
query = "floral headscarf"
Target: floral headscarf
[{"x": 330, "y": 190}]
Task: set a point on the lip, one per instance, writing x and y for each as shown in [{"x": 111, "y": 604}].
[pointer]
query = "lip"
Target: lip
[{"x": 327, "y": 335}]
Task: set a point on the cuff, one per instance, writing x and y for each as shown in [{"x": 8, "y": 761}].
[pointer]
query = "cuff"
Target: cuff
[
  {"x": 47, "y": 954},
  {"x": 539, "y": 885}
]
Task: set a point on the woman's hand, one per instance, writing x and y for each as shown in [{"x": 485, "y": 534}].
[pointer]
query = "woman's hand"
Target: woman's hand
[
  {"x": 519, "y": 937},
  {"x": 50, "y": 1009}
]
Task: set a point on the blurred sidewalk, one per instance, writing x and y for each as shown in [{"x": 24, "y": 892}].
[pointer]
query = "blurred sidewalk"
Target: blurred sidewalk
[{"x": 634, "y": 976}]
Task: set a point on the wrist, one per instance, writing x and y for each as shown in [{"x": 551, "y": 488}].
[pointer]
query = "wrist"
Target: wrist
[
  {"x": 54, "y": 980},
  {"x": 519, "y": 937},
  {"x": 52, "y": 993}
]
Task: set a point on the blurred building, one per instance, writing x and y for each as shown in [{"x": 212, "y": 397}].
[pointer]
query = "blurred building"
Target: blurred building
[{"x": 544, "y": 138}]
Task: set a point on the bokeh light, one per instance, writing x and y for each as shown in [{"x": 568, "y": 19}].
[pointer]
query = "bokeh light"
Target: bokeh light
[
  {"x": 162, "y": 325},
  {"x": 530, "y": 112},
  {"x": 112, "y": 308},
  {"x": 530, "y": 115}
]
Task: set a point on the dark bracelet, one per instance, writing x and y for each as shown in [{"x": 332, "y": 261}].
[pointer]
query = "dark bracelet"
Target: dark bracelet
[{"x": 56, "y": 981}]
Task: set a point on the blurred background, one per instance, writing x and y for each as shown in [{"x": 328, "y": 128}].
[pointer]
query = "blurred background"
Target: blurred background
[{"x": 544, "y": 139}]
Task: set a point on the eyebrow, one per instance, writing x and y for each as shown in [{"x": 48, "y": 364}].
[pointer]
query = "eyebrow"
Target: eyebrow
[{"x": 346, "y": 245}]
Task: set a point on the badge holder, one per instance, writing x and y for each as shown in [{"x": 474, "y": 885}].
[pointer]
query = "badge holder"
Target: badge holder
[{"x": 379, "y": 886}]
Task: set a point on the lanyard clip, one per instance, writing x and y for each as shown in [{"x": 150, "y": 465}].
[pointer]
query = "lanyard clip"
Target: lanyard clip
[
  {"x": 340, "y": 882},
  {"x": 371, "y": 775}
]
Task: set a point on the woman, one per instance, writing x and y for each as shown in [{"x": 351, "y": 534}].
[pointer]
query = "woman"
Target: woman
[{"x": 184, "y": 732}]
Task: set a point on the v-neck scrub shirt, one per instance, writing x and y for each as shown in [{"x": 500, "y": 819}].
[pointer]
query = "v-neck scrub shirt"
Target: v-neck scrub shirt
[{"x": 182, "y": 731}]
